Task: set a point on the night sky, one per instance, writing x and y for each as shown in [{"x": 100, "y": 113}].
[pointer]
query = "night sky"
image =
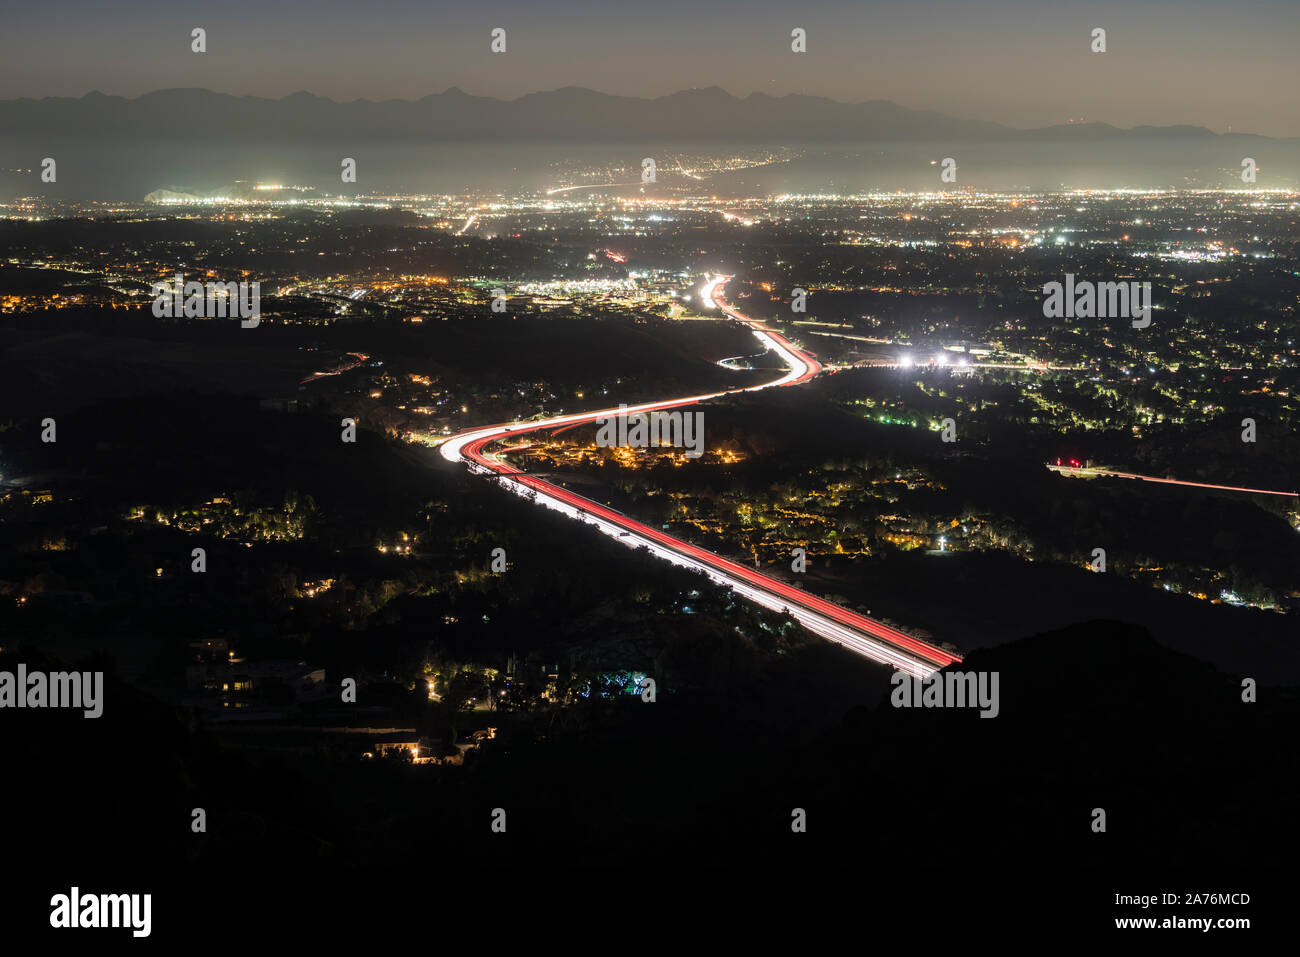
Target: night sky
[{"x": 1024, "y": 63}]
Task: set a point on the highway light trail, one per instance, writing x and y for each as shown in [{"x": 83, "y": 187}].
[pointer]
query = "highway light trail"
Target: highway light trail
[
  {"x": 358, "y": 358},
  {"x": 1083, "y": 472},
  {"x": 569, "y": 189},
  {"x": 865, "y": 636}
]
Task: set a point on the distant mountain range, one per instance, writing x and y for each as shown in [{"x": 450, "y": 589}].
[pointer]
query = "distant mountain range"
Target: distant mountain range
[{"x": 571, "y": 114}]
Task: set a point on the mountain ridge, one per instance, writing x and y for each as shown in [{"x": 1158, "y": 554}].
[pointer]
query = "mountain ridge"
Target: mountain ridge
[{"x": 571, "y": 113}]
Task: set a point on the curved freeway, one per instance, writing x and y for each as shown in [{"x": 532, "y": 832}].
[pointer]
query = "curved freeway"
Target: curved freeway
[{"x": 860, "y": 634}]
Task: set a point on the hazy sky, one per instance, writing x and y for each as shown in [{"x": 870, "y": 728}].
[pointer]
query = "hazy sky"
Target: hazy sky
[{"x": 1024, "y": 63}]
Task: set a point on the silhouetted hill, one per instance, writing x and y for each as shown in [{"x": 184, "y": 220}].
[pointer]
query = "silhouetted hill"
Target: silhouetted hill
[
  {"x": 1195, "y": 784},
  {"x": 570, "y": 114}
]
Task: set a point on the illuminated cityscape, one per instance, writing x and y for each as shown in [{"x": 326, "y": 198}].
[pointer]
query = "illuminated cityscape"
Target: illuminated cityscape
[{"x": 967, "y": 575}]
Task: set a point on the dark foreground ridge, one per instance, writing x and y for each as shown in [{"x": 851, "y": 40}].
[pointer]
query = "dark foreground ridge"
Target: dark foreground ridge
[{"x": 1095, "y": 715}]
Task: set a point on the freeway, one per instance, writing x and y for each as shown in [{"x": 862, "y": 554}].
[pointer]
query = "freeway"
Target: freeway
[{"x": 865, "y": 636}]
